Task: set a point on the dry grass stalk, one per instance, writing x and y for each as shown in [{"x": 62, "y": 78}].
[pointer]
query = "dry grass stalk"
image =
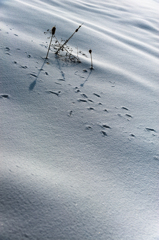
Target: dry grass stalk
[
  {"x": 90, "y": 51},
  {"x": 62, "y": 46},
  {"x": 53, "y": 33}
]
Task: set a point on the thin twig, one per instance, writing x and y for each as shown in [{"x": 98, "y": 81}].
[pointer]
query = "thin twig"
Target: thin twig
[{"x": 61, "y": 47}]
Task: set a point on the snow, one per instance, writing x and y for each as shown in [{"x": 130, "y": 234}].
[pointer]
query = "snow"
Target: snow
[{"x": 79, "y": 147}]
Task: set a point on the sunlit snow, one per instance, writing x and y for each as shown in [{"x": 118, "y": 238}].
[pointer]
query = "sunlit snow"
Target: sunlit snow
[{"x": 79, "y": 147}]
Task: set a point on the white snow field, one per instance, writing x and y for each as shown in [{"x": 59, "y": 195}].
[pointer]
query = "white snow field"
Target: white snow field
[{"x": 79, "y": 147}]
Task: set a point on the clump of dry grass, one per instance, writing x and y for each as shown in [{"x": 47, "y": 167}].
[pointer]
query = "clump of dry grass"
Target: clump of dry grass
[{"x": 63, "y": 50}]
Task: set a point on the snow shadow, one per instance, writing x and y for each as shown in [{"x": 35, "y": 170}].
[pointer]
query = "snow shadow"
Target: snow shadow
[
  {"x": 46, "y": 217},
  {"x": 82, "y": 84},
  {"x": 32, "y": 85},
  {"x": 59, "y": 67}
]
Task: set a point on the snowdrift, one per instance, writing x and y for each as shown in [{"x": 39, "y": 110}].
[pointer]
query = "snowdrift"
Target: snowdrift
[{"x": 79, "y": 150}]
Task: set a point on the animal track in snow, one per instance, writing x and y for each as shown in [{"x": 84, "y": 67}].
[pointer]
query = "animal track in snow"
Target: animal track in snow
[
  {"x": 97, "y": 95},
  {"x": 82, "y": 100},
  {"x": 125, "y": 108},
  {"x": 24, "y": 67},
  {"x": 128, "y": 115},
  {"x": 70, "y": 113},
  {"x": 55, "y": 93},
  {"x": 132, "y": 135},
  {"x": 4, "y": 95},
  {"x": 61, "y": 79},
  {"x": 7, "y": 49},
  {"x": 90, "y": 108},
  {"x": 106, "y": 126},
  {"x": 88, "y": 128},
  {"x": 90, "y": 100},
  {"x": 33, "y": 75},
  {"x": 77, "y": 91},
  {"x": 84, "y": 95},
  {"x": 58, "y": 83},
  {"x": 150, "y": 130},
  {"x": 104, "y": 133}
]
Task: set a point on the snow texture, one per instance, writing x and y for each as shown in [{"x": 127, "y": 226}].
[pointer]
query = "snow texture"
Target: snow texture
[{"x": 79, "y": 147}]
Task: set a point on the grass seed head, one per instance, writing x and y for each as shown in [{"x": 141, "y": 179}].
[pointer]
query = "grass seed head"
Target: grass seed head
[
  {"x": 90, "y": 51},
  {"x": 53, "y": 30}
]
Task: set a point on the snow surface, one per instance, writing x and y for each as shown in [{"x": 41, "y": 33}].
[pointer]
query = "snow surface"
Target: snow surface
[{"x": 79, "y": 149}]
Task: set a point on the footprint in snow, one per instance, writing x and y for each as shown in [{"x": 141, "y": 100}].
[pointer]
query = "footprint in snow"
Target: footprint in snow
[
  {"x": 125, "y": 108},
  {"x": 4, "y": 96},
  {"x": 24, "y": 67},
  {"x": 7, "y": 50},
  {"x": 106, "y": 126},
  {"x": 61, "y": 79},
  {"x": 58, "y": 83},
  {"x": 33, "y": 75},
  {"x": 55, "y": 93},
  {"x": 88, "y": 127},
  {"x": 77, "y": 91},
  {"x": 70, "y": 113},
  {"x": 97, "y": 95},
  {"x": 128, "y": 115},
  {"x": 90, "y": 108},
  {"x": 150, "y": 130},
  {"x": 84, "y": 95},
  {"x": 104, "y": 133},
  {"x": 132, "y": 135},
  {"x": 82, "y": 100}
]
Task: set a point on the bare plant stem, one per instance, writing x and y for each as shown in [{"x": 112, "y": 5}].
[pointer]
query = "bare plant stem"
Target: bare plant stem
[
  {"x": 49, "y": 47},
  {"x": 77, "y": 58},
  {"x": 90, "y": 51},
  {"x": 53, "y": 32},
  {"x": 61, "y": 47}
]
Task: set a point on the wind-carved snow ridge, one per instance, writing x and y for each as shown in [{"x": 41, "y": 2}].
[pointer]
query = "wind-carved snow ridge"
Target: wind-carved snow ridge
[{"x": 79, "y": 147}]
